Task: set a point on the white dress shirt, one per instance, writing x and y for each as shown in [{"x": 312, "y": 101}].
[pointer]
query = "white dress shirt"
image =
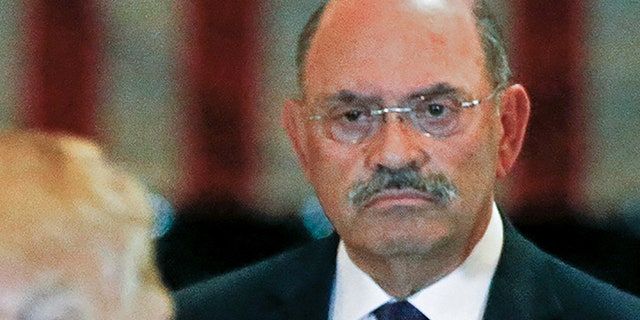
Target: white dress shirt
[{"x": 460, "y": 295}]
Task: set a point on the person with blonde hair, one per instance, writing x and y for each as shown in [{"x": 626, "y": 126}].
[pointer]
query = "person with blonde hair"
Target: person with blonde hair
[{"x": 75, "y": 237}]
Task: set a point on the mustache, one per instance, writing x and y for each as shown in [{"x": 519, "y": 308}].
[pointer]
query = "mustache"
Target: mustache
[{"x": 436, "y": 185}]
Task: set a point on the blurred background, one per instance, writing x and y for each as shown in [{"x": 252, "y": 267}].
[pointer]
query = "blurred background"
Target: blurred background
[{"x": 187, "y": 95}]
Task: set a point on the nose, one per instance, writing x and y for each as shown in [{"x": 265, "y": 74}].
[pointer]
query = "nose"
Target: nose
[{"x": 396, "y": 144}]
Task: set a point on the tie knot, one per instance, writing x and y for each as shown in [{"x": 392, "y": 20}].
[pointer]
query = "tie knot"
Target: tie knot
[{"x": 401, "y": 310}]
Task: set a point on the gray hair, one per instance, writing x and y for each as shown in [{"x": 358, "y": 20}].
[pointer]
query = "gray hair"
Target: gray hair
[{"x": 496, "y": 59}]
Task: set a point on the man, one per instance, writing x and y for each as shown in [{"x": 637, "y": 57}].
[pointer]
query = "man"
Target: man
[
  {"x": 75, "y": 237},
  {"x": 406, "y": 120}
]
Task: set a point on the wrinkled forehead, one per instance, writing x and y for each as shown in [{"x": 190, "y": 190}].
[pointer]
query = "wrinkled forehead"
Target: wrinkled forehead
[{"x": 393, "y": 45}]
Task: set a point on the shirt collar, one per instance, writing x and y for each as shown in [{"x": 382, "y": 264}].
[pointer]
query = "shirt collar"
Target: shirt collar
[{"x": 355, "y": 294}]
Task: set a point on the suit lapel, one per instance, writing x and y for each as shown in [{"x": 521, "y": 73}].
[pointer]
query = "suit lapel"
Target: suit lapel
[
  {"x": 303, "y": 289},
  {"x": 521, "y": 288}
]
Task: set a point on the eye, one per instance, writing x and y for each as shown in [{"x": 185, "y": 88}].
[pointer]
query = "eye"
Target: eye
[
  {"x": 352, "y": 115},
  {"x": 349, "y": 114},
  {"x": 349, "y": 123},
  {"x": 434, "y": 108},
  {"x": 439, "y": 116}
]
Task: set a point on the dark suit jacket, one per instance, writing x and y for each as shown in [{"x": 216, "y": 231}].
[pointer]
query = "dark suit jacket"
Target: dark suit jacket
[{"x": 528, "y": 284}]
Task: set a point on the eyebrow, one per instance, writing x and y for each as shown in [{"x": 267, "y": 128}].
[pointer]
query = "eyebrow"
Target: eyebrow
[
  {"x": 350, "y": 97},
  {"x": 439, "y": 89}
]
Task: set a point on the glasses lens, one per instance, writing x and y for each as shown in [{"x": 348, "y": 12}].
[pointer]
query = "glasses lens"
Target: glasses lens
[
  {"x": 346, "y": 123},
  {"x": 438, "y": 117}
]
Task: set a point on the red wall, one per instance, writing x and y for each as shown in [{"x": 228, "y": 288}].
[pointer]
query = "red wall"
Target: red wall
[
  {"x": 62, "y": 60},
  {"x": 548, "y": 57},
  {"x": 221, "y": 67}
]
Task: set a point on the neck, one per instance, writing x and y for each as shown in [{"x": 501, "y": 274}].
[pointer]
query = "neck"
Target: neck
[{"x": 403, "y": 275}]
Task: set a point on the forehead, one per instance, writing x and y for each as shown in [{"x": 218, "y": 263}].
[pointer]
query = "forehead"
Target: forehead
[{"x": 393, "y": 46}]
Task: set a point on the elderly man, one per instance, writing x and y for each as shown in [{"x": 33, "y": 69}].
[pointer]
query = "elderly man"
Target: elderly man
[
  {"x": 75, "y": 237},
  {"x": 407, "y": 119}
]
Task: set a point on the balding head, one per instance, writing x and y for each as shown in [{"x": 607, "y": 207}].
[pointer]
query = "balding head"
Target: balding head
[{"x": 496, "y": 59}]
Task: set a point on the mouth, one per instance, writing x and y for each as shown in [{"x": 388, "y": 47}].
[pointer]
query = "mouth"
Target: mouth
[{"x": 399, "y": 197}]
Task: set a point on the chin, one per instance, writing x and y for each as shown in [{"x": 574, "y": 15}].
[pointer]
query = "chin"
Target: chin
[
  {"x": 406, "y": 235},
  {"x": 402, "y": 247}
]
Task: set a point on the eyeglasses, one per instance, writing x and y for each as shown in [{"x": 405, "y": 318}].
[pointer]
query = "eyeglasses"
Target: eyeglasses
[{"x": 350, "y": 119}]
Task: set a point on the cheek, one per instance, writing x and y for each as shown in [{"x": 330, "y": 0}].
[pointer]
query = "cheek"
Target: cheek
[
  {"x": 473, "y": 162},
  {"x": 333, "y": 171}
]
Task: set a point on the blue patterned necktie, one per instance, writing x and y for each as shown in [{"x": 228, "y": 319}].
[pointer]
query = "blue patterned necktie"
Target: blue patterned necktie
[{"x": 401, "y": 310}]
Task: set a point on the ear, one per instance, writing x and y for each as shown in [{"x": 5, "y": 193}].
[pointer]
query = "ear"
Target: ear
[
  {"x": 514, "y": 116},
  {"x": 293, "y": 122}
]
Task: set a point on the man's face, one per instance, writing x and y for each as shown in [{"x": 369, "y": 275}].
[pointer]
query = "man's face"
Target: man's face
[{"x": 389, "y": 52}]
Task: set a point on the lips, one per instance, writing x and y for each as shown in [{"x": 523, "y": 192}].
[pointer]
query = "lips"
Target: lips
[{"x": 399, "y": 197}]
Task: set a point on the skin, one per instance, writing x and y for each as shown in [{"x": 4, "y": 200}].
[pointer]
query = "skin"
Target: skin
[{"x": 389, "y": 49}]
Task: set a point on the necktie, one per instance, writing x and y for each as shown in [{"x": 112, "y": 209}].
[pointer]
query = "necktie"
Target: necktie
[{"x": 401, "y": 310}]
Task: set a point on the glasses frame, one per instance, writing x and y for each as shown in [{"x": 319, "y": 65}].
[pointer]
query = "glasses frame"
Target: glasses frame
[{"x": 398, "y": 109}]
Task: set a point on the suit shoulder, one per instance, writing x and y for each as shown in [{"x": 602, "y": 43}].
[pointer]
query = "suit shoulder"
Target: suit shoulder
[
  {"x": 259, "y": 285},
  {"x": 589, "y": 298},
  {"x": 247, "y": 278},
  {"x": 530, "y": 284}
]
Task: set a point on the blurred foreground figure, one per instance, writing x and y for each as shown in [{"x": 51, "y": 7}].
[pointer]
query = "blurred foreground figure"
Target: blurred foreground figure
[{"x": 75, "y": 235}]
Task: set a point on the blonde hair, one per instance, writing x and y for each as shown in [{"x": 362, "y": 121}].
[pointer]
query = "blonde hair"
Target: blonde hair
[{"x": 75, "y": 232}]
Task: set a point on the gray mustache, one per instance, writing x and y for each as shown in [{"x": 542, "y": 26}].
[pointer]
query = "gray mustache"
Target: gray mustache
[{"x": 436, "y": 185}]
